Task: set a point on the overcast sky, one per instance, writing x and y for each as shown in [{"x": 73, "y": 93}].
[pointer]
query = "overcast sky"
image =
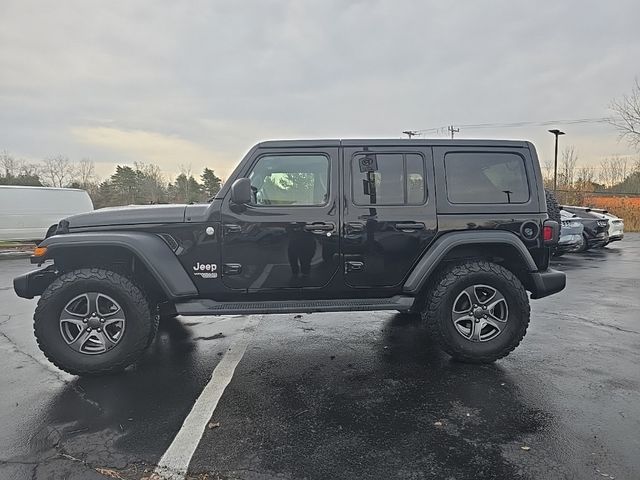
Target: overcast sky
[{"x": 198, "y": 82}]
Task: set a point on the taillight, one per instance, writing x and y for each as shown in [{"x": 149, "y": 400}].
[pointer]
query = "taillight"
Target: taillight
[{"x": 550, "y": 232}]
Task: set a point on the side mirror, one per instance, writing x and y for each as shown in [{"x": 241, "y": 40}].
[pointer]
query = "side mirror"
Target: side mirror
[{"x": 241, "y": 191}]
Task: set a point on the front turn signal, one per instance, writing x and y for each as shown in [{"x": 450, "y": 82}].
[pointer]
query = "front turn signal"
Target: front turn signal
[{"x": 40, "y": 252}]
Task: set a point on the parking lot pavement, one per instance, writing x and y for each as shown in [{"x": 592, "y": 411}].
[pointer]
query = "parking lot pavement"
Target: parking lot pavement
[{"x": 361, "y": 395}]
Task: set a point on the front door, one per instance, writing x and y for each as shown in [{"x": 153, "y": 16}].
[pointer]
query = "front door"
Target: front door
[
  {"x": 287, "y": 238},
  {"x": 389, "y": 213}
]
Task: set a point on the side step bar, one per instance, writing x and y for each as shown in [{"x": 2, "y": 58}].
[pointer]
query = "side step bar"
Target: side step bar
[{"x": 211, "y": 307}]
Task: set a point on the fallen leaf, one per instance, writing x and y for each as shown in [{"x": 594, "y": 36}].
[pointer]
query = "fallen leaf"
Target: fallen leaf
[
  {"x": 214, "y": 425},
  {"x": 438, "y": 424},
  {"x": 525, "y": 448},
  {"x": 108, "y": 472}
]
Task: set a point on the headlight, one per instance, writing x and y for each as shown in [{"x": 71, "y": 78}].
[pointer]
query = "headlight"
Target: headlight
[{"x": 602, "y": 223}]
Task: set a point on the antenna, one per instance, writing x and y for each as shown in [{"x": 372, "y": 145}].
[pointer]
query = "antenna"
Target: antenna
[{"x": 410, "y": 133}]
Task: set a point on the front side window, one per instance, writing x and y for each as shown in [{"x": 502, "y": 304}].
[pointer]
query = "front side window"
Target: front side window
[
  {"x": 388, "y": 179},
  {"x": 486, "y": 177},
  {"x": 290, "y": 180}
]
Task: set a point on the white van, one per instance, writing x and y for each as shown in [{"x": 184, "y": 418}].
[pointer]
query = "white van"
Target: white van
[{"x": 26, "y": 213}]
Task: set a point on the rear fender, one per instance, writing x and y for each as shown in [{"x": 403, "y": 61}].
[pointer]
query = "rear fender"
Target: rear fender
[{"x": 443, "y": 245}]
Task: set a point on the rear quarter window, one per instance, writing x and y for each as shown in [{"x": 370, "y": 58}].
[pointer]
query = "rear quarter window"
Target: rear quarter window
[{"x": 486, "y": 177}]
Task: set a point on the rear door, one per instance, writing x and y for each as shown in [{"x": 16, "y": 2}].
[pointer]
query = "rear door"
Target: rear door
[{"x": 389, "y": 213}]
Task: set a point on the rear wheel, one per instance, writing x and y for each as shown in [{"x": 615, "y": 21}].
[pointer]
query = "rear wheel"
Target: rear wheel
[
  {"x": 478, "y": 311},
  {"x": 93, "y": 322}
]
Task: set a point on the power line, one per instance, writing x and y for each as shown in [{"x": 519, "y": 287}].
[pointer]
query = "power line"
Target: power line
[{"x": 477, "y": 126}]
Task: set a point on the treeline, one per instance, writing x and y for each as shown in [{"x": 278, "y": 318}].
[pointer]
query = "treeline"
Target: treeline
[
  {"x": 614, "y": 175},
  {"x": 141, "y": 184}
]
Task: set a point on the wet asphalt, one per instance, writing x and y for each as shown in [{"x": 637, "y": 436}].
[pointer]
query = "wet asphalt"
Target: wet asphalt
[{"x": 344, "y": 396}]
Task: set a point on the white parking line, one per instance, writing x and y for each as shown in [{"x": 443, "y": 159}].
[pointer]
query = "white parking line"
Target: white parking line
[{"x": 174, "y": 463}]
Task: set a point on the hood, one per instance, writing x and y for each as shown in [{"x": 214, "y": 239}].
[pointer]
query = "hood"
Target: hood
[{"x": 131, "y": 215}]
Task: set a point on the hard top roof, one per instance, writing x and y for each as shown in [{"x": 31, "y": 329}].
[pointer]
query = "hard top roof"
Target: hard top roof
[{"x": 391, "y": 142}]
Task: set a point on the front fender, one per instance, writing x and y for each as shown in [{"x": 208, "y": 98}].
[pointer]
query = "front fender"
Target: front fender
[{"x": 148, "y": 248}]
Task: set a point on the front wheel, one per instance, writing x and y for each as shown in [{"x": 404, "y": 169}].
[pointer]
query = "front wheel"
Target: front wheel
[
  {"x": 93, "y": 321},
  {"x": 478, "y": 311}
]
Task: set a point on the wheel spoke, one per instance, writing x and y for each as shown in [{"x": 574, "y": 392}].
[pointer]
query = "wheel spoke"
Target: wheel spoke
[
  {"x": 458, "y": 317},
  {"x": 80, "y": 340},
  {"x": 473, "y": 295},
  {"x": 73, "y": 306},
  {"x": 114, "y": 317},
  {"x": 498, "y": 309},
  {"x": 92, "y": 298},
  {"x": 106, "y": 340},
  {"x": 113, "y": 307},
  {"x": 485, "y": 289},
  {"x": 498, "y": 325},
  {"x": 476, "y": 328},
  {"x": 463, "y": 303}
]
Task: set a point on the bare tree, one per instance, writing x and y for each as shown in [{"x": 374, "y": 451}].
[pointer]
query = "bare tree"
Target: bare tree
[
  {"x": 58, "y": 171},
  {"x": 613, "y": 170},
  {"x": 8, "y": 164},
  {"x": 586, "y": 179},
  {"x": 548, "y": 170},
  {"x": 627, "y": 118},
  {"x": 568, "y": 166},
  {"x": 85, "y": 173}
]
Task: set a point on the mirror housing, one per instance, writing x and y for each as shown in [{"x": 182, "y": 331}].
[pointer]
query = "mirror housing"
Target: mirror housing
[{"x": 241, "y": 191}]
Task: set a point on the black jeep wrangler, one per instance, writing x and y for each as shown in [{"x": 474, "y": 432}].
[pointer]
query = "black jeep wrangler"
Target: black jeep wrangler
[{"x": 454, "y": 231}]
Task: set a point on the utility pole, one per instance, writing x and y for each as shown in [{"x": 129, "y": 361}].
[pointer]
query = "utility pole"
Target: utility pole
[
  {"x": 410, "y": 133},
  {"x": 453, "y": 130},
  {"x": 556, "y": 133}
]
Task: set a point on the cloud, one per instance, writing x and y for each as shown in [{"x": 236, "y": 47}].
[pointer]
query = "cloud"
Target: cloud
[{"x": 169, "y": 152}]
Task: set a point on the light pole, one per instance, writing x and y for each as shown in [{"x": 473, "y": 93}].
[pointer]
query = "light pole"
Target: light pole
[{"x": 556, "y": 133}]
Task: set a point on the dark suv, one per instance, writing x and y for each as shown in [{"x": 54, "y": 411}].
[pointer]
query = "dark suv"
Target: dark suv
[{"x": 456, "y": 231}]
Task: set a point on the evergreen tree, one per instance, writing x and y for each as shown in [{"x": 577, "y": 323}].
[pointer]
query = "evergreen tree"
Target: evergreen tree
[{"x": 210, "y": 182}]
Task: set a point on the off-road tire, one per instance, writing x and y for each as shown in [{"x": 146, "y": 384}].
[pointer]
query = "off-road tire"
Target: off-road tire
[
  {"x": 141, "y": 325},
  {"x": 553, "y": 208},
  {"x": 449, "y": 283}
]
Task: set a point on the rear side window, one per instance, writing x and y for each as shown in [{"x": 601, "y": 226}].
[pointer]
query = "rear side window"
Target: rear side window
[
  {"x": 388, "y": 179},
  {"x": 486, "y": 177}
]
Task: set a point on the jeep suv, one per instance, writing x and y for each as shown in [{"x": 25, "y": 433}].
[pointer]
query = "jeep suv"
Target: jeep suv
[{"x": 455, "y": 231}]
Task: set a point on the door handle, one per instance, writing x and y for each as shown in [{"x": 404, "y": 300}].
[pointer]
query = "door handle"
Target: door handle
[
  {"x": 353, "y": 227},
  {"x": 353, "y": 266},
  {"x": 230, "y": 228},
  {"x": 319, "y": 227},
  {"x": 410, "y": 227}
]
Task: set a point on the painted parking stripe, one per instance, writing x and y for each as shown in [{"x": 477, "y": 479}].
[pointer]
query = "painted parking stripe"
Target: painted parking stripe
[{"x": 174, "y": 463}]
